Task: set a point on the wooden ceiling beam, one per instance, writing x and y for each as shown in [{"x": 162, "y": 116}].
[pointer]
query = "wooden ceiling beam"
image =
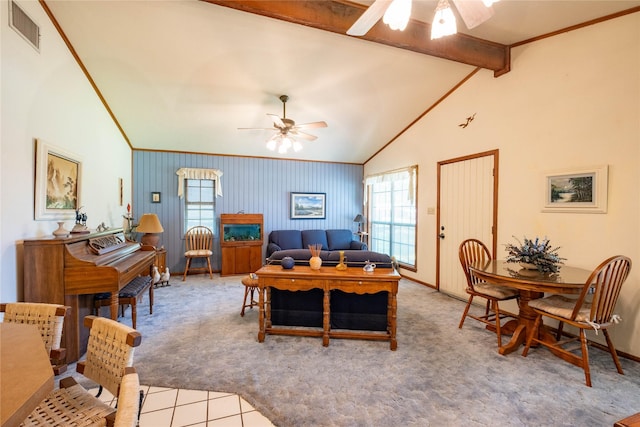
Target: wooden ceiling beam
[{"x": 337, "y": 16}]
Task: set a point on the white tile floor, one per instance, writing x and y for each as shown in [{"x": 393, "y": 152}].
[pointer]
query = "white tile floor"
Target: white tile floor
[{"x": 170, "y": 407}]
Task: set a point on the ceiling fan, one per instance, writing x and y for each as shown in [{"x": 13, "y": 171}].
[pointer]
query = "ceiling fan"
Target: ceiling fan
[
  {"x": 473, "y": 13},
  {"x": 288, "y": 130}
]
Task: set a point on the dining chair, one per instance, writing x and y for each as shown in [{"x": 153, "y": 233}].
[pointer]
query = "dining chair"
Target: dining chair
[
  {"x": 473, "y": 251},
  {"x": 108, "y": 362},
  {"x": 49, "y": 318},
  {"x": 198, "y": 242},
  {"x": 591, "y": 310}
]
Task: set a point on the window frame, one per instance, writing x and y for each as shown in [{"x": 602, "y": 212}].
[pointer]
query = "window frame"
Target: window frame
[
  {"x": 187, "y": 222},
  {"x": 393, "y": 225}
]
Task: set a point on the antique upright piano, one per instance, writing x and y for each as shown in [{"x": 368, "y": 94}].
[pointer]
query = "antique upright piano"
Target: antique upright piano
[{"x": 69, "y": 270}]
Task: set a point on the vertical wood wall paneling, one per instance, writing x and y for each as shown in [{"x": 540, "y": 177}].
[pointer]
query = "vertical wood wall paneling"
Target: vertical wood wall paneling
[
  {"x": 466, "y": 187},
  {"x": 252, "y": 185}
]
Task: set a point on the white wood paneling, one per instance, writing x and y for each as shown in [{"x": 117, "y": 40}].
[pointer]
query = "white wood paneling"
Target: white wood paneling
[{"x": 466, "y": 211}]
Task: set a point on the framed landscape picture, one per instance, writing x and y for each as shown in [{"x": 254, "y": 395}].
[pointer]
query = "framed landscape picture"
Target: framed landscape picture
[
  {"x": 578, "y": 190},
  {"x": 57, "y": 184},
  {"x": 308, "y": 205}
]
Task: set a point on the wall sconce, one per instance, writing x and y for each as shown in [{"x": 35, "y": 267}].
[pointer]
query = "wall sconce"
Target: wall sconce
[{"x": 150, "y": 225}]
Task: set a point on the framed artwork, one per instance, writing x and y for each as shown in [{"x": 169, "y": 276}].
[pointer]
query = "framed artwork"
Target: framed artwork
[
  {"x": 57, "y": 184},
  {"x": 578, "y": 190},
  {"x": 155, "y": 197},
  {"x": 308, "y": 205}
]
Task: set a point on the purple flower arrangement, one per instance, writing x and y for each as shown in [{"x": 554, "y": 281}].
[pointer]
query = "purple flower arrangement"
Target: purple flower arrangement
[{"x": 538, "y": 252}]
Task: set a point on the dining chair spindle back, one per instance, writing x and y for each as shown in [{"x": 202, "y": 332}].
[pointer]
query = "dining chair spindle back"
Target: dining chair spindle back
[
  {"x": 473, "y": 251},
  {"x": 591, "y": 310},
  {"x": 198, "y": 243}
]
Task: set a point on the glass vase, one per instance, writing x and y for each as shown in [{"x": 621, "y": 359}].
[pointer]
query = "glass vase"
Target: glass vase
[
  {"x": 315, "y": 262},
  {"x": 341, "y": 266}
]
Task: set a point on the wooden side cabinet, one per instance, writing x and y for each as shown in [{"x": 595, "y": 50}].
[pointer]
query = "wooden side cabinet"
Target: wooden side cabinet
[{"x": 241, "y": 240}]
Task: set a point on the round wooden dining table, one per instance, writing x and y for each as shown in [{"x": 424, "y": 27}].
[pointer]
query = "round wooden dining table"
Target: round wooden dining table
[{"x": 531, "y": 284}]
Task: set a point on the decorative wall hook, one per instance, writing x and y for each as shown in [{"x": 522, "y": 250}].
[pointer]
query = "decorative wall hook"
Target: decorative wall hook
[{"x": 469, "y": 120}]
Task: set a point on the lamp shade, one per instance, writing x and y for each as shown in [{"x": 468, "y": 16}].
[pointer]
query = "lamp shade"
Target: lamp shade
[
  {"x": 151, "y": 227},
  {"x": 359, "y": 219},
  {"x": 149, "y": 223}
]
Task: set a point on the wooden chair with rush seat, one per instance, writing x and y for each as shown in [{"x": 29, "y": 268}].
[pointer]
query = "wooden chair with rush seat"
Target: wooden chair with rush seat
[
  {"x": 109, "y": 362},
  {"x": 474, "y": 251},
  {"x": 49, "y": 318},
  {"x": 591, "y": 310}
]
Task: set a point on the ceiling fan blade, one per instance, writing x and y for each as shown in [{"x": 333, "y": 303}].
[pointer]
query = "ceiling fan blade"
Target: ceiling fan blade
[
  {"x": 277, "y": 121},
  {"x": 312, "y": 125},
  {"x": 473, "y": 12},
  {"x": 306, "y": 136},
  {"x": 369, "y": 18}
]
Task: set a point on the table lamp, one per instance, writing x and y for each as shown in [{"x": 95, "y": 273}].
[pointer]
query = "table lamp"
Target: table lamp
[
  {"x": 150, "y": 225},
  {"x": 360, "y": 220}
]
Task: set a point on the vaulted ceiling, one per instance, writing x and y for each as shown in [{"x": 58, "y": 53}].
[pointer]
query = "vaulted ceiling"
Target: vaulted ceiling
[{"x": 184, "y": 75}]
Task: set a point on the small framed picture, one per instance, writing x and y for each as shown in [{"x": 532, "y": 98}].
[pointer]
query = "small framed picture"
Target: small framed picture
[
  {"x": 578, "y": 190},
  {"x": 155, "y": 197}
]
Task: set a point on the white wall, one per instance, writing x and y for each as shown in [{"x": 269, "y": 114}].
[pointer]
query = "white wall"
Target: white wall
[
  {"x": 570, "y": 101},
  {"x": 46, "y": 96}
]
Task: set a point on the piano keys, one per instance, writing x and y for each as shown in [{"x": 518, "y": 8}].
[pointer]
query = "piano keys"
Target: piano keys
[{"x": 69, "y": 270}]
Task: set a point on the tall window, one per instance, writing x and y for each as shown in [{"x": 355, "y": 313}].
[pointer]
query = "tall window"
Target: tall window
[
  {"x": 392, "y": 214},
  {"x": 199, "y": 207}
]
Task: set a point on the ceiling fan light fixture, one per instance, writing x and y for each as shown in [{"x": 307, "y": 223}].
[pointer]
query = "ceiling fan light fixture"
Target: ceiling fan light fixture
[
  {"x": 444, "y": 22},
  {"x": 296, "y": 146},
  {"x": 271, "y": 144},
  {"x": 489, "y": 3},
  {"x": 398, "y": 14},
  {"x": 285, "y": 144}
]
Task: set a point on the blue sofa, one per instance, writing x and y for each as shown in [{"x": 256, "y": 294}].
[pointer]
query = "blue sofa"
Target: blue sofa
[{"x": 331, "y": 240}]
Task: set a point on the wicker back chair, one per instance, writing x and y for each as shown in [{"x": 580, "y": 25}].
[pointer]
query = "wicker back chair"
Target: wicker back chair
[
  {"x": 473, "y": 251},
  {"x": 109, "y": 363},
  {"x": 593, "y": 309},
  {"x": 198, "y": 242},
  {"x": 49, "y": 318},
  {"x": 129, "y": 400}
]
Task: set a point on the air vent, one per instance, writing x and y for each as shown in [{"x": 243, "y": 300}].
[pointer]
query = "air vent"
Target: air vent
[{"x": 25, "y": 26}]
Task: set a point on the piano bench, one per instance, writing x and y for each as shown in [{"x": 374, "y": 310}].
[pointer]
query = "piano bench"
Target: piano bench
[{"x": 129, "y": 295}]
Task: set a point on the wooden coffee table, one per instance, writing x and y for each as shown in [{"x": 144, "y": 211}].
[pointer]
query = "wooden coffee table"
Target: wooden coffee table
[{"x": 351, "y": 280}]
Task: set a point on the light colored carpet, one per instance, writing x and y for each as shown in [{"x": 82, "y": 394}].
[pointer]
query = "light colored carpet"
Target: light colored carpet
[{"x": 439, "y": 376}]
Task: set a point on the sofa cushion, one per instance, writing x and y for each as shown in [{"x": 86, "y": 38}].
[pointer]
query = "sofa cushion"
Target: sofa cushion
[
  {"x": 300, "y": 256},
  {"x": 313, "y": 237},
  {"x": 286, "y": 239},
  {"x": 339, "y": 239},
  {"x": 358, "y": 245}
]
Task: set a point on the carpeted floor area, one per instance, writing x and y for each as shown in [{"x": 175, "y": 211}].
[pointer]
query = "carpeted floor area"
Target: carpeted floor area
[{"x": 439, "y": 376}]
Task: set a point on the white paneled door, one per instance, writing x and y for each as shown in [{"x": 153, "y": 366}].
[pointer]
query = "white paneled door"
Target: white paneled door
[{"x": 467, "y": 199}]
